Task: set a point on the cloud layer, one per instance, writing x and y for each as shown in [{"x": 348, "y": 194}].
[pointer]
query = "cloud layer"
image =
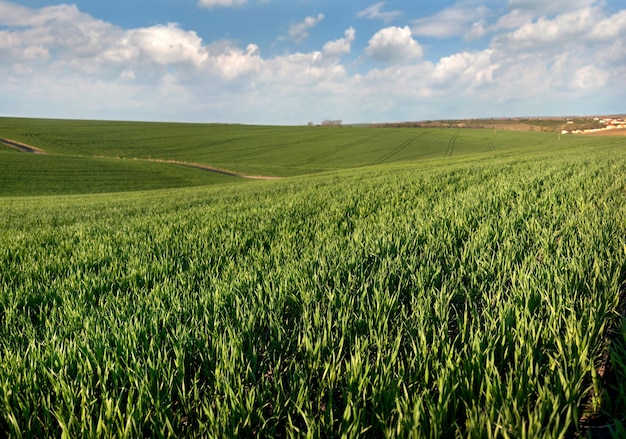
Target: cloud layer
[{"x": 60, "y": 62}]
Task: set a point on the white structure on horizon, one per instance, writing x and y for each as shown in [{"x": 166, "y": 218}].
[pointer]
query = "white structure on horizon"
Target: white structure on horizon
[{"x": 331, "y": 123}]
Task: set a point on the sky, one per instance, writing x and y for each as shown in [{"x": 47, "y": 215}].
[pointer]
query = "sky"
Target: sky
[{"x": 290, "y": 62}]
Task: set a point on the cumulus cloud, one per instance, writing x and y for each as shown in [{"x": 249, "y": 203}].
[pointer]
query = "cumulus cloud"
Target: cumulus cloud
[
  {"x": 61, "y": 28},
  {"x": 586, "y": 26},
  {"x": 609, "y": 29},
  {"x": 341, "y": 46},
  {"x": 393, "y": 45},
  {"x": 12, "y": 14},
  {"x": 221, "y": 3},
  {"x": 375, "y": 12},
  {"x": 550, "y": 32},
  {"x": 83, "y": 45},
  {"x": 162, "y": 44},
  {"x": 475, "y": 69},
  {"x": 235, "y": 62},
  {"x": 300, "y": 31},
  {"x": 590, "y": 77},
  {"x": 70, "y": 64}
]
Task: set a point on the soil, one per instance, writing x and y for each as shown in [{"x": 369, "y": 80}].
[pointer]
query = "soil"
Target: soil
[
  {"x": 21, "y": 146},
  {"x": 607, "y": 133},
  {"x": 33, "y": 150}
]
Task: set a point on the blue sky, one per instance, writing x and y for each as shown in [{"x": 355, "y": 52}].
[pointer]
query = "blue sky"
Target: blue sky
[{"x": 291, "y": 62}]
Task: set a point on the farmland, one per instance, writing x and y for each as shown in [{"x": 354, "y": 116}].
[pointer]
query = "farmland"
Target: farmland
[
  {"x": 409, "y": 282},
  {"x": 264, "y": 150}
]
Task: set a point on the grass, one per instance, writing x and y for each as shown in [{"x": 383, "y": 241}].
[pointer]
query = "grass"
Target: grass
[
  {"x": 39, "y": 174},
  {"x": 95, "y": 156},
  {"x": 263, "y": 150},
  {"x": 471, "y": 295}
]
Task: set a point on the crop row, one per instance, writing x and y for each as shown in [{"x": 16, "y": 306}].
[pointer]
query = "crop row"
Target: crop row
[
  {"x": 266, "y": 150},
  {"x": 468, "y": 300}
]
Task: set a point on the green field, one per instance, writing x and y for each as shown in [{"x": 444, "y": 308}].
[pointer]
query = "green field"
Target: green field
[
  {"x": 417, "y": 283},
  {"x": 38, "y": 174},
  {"x": 265, "y": 150}
]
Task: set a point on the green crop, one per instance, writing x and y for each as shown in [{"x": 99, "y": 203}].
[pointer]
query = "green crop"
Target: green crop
[
  {"x": 39, "y": 174},
  {"x": 271, "y": 151},
  {"x": 474, "y": 297},
  {"x": 94, "y": 157}
]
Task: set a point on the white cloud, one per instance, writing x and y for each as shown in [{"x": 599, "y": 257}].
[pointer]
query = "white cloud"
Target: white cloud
[
  {"x": 470, "y": 68},
  {"x": 59, "y": 27},
  {"x": 221, "y": 3},
  {"x": 610, "y": 29},
  {"x": 393, "y": 45},
  {"x": 590, "y": 77},
  {"x": 478, "y": 29},
  {"x": 542, "y": 7},
  {"x": 60, "y": 62},
  {"x": 457, "y": 20},
  {"x": 549, "y": 32},
  {"x": 514, "y": 19},
  {"x": 300, "y": 31},
  {"x": 12, "y": 47},
  {"x": 234, "y": 62},
  {"x": 341, "y": 46},
  {"x": 12, "y": 14},
  {"x": 582, "y": 27},
  {"x": 525, "y": 11},
  {"x": 374, "y": 13},
  {"x": 164, "y": 45}
]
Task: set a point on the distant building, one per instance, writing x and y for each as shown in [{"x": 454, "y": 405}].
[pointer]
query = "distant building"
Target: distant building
[{"x": 331, "y": 123}]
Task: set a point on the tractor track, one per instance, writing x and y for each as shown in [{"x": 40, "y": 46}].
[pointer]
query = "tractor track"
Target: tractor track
[
  {"x": 451, "y": 144},
  {"x": 393, "y": 152},
  {"x": 336, "y": 150}
]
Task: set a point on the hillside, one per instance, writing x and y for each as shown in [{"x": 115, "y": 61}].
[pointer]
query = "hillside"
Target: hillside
[
  {"x": 95, "y": 156},
  {"x": 461, "y": 284}
]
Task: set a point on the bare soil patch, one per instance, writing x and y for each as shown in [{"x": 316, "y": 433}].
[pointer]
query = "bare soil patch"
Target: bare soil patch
[
  {"x": 608, "y": 133},
  {"x": 22, "y": 146}
]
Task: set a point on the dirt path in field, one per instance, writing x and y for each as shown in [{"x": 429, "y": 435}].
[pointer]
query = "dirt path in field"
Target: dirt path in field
[
  {"x": 216, "y": 170},
  {"x": 22, "y": 146},
  {"x": 207, "y": 168},
  {"x": 199, "y": 166},
  {"x": 34, "y": 150}
]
